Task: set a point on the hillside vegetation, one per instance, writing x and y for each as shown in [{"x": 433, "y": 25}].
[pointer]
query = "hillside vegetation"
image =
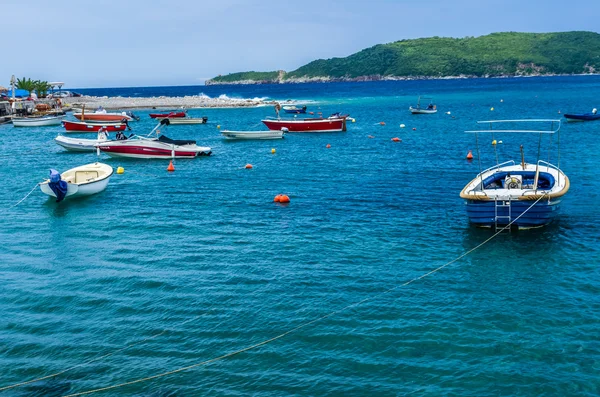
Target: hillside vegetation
[{"x": 497, "y": 54}]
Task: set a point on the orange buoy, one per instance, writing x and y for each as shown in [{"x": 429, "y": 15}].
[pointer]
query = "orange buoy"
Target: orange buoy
[
  {"x": 171, "y": 167},
  {"x": 328, "y": 146},
  {"x": 277, "y": 198},
  {"x": 396, "y": 139},
  {"x": 470, "y": 155},
  {"x": 311, "y": 112},
  {"x": 284, "y": 199},
  {"x": 381, "y": 123},
  {"x": 248, "y": 166}
]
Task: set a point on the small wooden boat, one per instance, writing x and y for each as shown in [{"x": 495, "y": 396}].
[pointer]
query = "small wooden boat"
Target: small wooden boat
[
  {"x": 294, "y": 109},
  {"x": 42, "y": 121},
  {"x": 188, "y": 120},
  {"x": 167, "y": 115},
  {"x": 79, "y": 181},
  {"x": 102, "y": 116},
  {"x": 430, "y": 109},
  {"x": 254, "y": 134},
  {"x": 80, "y": 126},
  {"x": 583, "y": 116}
]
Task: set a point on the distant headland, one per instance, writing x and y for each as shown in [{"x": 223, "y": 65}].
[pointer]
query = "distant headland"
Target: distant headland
[{"x": 506, "y": 54}]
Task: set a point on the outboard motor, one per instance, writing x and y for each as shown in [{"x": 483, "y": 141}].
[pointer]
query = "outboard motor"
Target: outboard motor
[
  {"x": 205, "y": 119},
  {"x": 58, "y": 186}
]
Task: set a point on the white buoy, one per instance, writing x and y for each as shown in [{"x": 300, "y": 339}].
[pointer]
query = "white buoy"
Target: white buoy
[
  {"x": 402, "y": 126},
  {"x": 448, "y": 113},
  {"x": 499, "y": 142}
]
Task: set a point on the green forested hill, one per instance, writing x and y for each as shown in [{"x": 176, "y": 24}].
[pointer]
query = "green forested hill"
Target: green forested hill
[{"x": 497, "y": 54}]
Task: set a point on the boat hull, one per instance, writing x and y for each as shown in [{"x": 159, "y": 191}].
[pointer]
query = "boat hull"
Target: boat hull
[
  {"x": 307, "y": 125},
  {"x": 71, "y": 126},
  {"x": 37, "y": 122},
  {"x": 167, "y": 115},
  {"x": 104, "y": 117},
  {"x": 483, "y": 213},
  {"x": 422, "y": 111},
  {"x": 247, "y": 135},
  {"x": 76, "y": 144},
  {"x": 582, "y": 117},
  {"x": 152, "y": 150},
  {"x": 186, "y": 120}
]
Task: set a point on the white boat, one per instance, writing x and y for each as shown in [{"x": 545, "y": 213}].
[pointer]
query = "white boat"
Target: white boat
[
  {"x": 81, "y": 144},
  {"x": 254, "y": 134},
  {"x": 150, "y": 147},
  {"x": 79, "y": 181},
  {"x": 430, "y": 109},
  {"x": 42, "y": 121},
  {"x": 525, "y": 195},
  {"x": 188, "y": 120}
]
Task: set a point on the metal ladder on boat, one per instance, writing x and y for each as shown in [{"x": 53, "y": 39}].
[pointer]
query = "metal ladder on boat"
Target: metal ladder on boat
[{"x": 504, "y": 219}]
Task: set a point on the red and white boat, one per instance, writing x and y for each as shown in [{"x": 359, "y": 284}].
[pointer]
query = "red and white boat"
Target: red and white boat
[
  {"x": 167, "y": 115},
  {"x": 331, "y": 124},
  {"x": 80, "y": 126},
  {"x": 153, "y": 147}
]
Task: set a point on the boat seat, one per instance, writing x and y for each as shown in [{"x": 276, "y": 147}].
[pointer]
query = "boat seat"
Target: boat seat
[
  {"x": 165, "y": 139},
  {"x": 496, "y": 181},
  {"x": 85, "y": 176}
]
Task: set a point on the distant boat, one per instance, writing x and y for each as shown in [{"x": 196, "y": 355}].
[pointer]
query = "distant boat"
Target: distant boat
[
  {"x": 167, "y": 115},
  {"x": 188, "y": 120},
  {"x": 253, "y": 134},
  {"x": 79, "y": 126},
  {"x": 429, "y": 109},
  {"x": 102, "y": 115},
  {"x": 584, "y": 116},
  {"x": 79, "y": 181},
  {"x": 524, "y": 195},
  {"x": 294, "y": 109},
  {"x": 42, "y": 121},
  {"x": 334, "y": 123}
]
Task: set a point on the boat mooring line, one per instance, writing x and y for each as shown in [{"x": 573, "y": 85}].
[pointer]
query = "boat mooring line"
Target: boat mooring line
[
  {"x": 101, "y": 357},
  {"x": 23, "y": 199},
  {"x": 231, "y": 354},
  {"x": 306, "y": 324}
]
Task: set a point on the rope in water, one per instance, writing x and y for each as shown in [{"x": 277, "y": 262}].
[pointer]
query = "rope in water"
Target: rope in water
[
  {"x": 23, "y": 199},
  {"x": 288, "y": 332}
]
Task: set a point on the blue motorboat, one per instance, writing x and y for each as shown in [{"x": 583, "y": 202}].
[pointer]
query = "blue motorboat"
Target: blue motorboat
[
  {"x": 584, "y": 116},
  {"x": 523, "y": 195}
]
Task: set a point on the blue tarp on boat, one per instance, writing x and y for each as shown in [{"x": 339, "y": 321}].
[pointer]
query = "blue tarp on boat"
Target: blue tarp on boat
[{"x": 58, "y": 186}]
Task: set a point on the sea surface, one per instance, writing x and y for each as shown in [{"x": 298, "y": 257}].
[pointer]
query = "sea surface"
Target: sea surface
[{"x": 163, "y": 270}]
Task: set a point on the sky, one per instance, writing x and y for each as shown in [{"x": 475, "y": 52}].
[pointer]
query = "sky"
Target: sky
[{"x": 131, "y": 43}]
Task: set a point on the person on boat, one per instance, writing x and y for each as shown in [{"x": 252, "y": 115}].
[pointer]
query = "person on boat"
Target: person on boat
[
  {"x": 100, "y": 110},
  {"x": 120, "y": 136},
  {"x": 430, "y": 106},
  {"x": 594, "y": 111}
]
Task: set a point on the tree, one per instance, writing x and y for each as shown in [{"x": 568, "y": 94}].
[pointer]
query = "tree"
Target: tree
[
  {"x": 26, "y": 84},
  {"x": 42, "y": 88}
]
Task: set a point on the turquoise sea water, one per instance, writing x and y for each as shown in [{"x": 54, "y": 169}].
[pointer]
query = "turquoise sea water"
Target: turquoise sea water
[{"x": 204, "y": 262}]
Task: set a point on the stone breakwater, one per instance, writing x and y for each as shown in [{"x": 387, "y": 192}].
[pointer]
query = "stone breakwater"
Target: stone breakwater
[{"x": 196, "y": 101}]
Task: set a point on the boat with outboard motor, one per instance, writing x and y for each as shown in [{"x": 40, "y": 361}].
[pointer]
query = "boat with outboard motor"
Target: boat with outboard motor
[
  {"x": 153, "y": 146},
  {"x": 84, "y": 180},
  {"x": 524, "y": 195},
  {"x": 583, "y": 116},
  {"x": 430, "y": 109},
  {"x": 101, "y": 115}
]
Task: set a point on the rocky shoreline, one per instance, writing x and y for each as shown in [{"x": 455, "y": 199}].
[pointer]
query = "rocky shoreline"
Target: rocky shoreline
[
  {"x": 329, "y": 79},
  {"x": 161, "y": 102}
]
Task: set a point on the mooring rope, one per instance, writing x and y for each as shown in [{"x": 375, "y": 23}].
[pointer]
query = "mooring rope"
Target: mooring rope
[
  {"x": 282, "y": 335},
  {"x": 23, "y": 199}
]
